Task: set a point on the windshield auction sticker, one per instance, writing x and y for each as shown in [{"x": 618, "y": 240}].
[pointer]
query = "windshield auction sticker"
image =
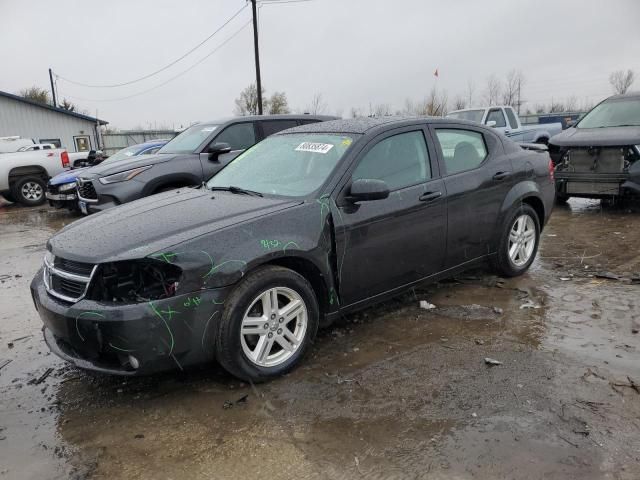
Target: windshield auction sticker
[{"x": 314, "y": 147}]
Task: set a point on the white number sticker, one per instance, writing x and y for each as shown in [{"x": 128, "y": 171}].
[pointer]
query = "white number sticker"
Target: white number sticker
[{"x": 314, "y": 147}]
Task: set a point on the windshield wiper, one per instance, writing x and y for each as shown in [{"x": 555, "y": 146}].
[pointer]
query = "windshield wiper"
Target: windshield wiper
[{"x": 238, "y": 190}]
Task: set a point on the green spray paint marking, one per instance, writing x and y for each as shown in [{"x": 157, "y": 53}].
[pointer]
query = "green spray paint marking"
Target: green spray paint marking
[
  {"x": 216, "y": 268},
  {"x": 95, "y": 314},
  {"x": 270, "y": 244},
  {"x": 169, "y": 312},
  {"x": 204, "y": 332},
  {"x": 217, "y": 303},
  {"x": 192, "y": 302},
  {"x": 153, "y": 307},
  {"x": 324, "y": 203},
  {"x": 290, "y": 244},
  {"x": 333, "y": 297},
  {"x": 167, "y": 257},
  {"x": 118, "y": 348}
]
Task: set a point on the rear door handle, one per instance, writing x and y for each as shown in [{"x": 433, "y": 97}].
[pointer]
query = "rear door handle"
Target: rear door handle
[
  {"x": 501, "y": 175},
  {"x": 430, "y": 196}
]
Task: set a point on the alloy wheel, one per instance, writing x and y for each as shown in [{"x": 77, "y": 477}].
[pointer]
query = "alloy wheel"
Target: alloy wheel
[
  {"x": 522, "y": 240},
  {"x": 273, "y": 327},
  {"x": 31, "y": 191}
]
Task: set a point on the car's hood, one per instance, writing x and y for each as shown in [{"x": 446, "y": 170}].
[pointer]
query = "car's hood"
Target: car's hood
[
  {"x": 145, "y": 226},
  {"x": 67, "y": 176},
  {"x": 107, "y": 168},
  {"x": 597, "y": 137}
]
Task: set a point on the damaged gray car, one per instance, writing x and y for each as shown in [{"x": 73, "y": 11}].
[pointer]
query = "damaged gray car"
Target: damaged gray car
[
  {"x": 310, "y": 224},
  {"x": 600, "y": 156}
]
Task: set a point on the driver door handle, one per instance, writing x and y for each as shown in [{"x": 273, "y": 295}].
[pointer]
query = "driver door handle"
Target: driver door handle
[
  {"x": 430, "y": 196},
  {"x": 501, "y": 175}
]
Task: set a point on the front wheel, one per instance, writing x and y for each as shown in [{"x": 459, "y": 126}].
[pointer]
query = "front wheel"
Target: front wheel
[
  {"x": 268, "y": 324},
  {"x": 519, "y": 242},
  {"x": 29, "y": 191}
]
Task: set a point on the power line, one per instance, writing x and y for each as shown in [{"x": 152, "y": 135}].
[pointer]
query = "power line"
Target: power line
[
  {"x": 161, "y": 69},
  {"x": 170, "y": 79}
]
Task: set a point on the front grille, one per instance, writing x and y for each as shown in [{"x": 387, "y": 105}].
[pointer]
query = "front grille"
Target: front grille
[
  {"x": 87, "y": 191},
  {"x": 73, "y": 266},
  {"x": 52, "y": 188},
  {"x": 596, "y": 160},
  {"x": 67, "y": 280}
]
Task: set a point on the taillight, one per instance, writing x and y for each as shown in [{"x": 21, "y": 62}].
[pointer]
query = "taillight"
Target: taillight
[
  {"x": 552, "y": 170},
  {"x": 64, "y": 157}
]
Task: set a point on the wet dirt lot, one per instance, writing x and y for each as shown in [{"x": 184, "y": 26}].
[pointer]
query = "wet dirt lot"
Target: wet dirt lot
[{"x": 392, "y": 392}]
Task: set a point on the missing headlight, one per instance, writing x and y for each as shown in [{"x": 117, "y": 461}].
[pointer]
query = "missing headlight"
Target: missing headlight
[{"x": 135, "y": 281}]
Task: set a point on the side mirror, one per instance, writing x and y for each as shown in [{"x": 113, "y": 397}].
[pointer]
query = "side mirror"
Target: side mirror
[
  {"x": 491, "y": 123},
  {"x": 218, "y": 149},
  {"x": 365, "y": 189}
]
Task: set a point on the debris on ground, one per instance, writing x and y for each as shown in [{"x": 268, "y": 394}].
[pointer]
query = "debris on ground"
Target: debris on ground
[
  {"x": 42, "y": 377},
  {"x": 607, "y": 275},
  {"x": 635, "y": 330},
  {"x": 498, "y": 310},
  {"x": 479, "y": 342},
  {"x": 4, "y": 363},
  {"x": 426, "y": 305},
  {"x": 491, "y": 361},
  {"x": 529, "y": 304},
  {"x": 241, "y": 401}
]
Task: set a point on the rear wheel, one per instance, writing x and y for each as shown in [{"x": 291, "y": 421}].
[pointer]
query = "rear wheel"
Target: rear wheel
[
  {"x": 29, "y": 191},
  {"x": 268, "y": 324},
  {"x": 519, "y": 242}
]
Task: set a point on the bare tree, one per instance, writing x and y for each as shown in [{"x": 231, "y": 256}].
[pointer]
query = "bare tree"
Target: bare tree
[
  {"x": 436, "y": 103},
  {"x": 355, "y": 112},
  {"x": 493, "y": 89},
  {"x": 382, "y": 110},
  {"x": 67, "y": 105},
  {"x": 278, "y": 103},
  {"x": 621, "y": 80},
  {"x": 571, "y": 104},
  {"x": 471, "y": 88},
  {"x": 556, "y": 107},
  {"x": 247, "y": 102},
  {"x": 318, "y": 105},
  {"x": 512, "y": 88},
  {"x": 459, "y": 103},
  {"x": 36, "y": 94}
]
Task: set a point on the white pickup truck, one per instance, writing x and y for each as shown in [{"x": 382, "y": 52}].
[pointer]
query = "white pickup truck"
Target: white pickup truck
[
  {"x": 24, "y": 175},
  {"x": 506, "y": 120}
]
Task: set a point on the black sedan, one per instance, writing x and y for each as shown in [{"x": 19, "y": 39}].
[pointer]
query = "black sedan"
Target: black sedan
[{"x": 309, "y": 224}]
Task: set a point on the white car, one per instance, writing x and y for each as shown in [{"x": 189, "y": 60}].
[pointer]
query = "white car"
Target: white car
[
  {"x": 506, "y": 120},
  {"x": 24, "y": 175}
]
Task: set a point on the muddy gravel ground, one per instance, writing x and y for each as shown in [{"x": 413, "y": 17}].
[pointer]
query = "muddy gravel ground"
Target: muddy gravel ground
[{"x": 392, "y": 392}]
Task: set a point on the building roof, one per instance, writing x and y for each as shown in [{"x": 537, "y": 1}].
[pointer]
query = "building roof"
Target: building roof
[{"x": 49, "y": 107}]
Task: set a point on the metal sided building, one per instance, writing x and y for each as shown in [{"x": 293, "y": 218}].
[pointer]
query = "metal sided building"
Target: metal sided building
[{"x": 46, "y": 124}]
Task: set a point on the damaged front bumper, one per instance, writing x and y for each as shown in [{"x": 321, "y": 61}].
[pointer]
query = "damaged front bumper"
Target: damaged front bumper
[{"x": 132, "y": 339}]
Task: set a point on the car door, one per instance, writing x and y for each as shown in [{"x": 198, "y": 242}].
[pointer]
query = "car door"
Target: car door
[
  {"x": 384, "y": 244},
  {"x": 477, "y": 176},
  {"x": 239, "y": 136}
]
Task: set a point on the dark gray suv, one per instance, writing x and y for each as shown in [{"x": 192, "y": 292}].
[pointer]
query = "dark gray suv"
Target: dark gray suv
[{"x": 189, "y": 159}]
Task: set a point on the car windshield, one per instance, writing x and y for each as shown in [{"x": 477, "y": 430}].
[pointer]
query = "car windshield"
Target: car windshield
[
  {"x": 613, "y": 113},
  {"x": 189, "y": 140},
  {"x": 123, "y": 154},
  {"x": 294, "y": 165},
  {"x": 471, "y": 115}
]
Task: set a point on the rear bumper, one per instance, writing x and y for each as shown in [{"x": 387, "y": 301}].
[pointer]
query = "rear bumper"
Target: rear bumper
[{"x": 131, "y": 339}]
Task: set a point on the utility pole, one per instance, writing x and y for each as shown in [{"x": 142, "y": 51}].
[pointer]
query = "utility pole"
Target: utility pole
[
  {"x": 53, "y": 90},
  {"x": 255, "y": 46}
]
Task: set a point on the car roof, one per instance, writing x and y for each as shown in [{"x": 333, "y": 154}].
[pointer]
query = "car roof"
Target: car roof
[
  {"x": 366, "y": 124},
  {"x": 252, "y": 118},
  {"x": 625, "y": 96}
]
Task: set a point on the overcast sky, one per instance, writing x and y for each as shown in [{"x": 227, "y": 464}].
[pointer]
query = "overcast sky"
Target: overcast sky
[{"x": 354, "y": 52}]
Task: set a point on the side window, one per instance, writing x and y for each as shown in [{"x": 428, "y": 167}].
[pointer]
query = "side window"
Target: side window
[
  {"x": 497, "y": 116},
  {"x": 401, "y": 161},
  {"x": 512, "y": 118},
  {"x": 151, "y": 151},
  {"x": 307, "y": 122},
  {"x": 55, "y": 141},
  {"x": 461, "y": 149},
  {"x": 274, "y": 126},
  {"x": 238, "y": 136}
]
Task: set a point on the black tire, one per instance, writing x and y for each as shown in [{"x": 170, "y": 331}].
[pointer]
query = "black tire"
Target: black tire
[
  {"x": 543, "y": 141},
  {"x": 229, "y": 350},
  {"x": 29, "y": 190},
  {"x": 503, "y": 263}
]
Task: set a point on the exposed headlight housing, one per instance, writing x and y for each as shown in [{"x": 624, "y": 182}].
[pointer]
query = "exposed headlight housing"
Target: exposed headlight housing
[
  {"x": 65, "y": 187},
  {"x": 638, "y": 149},
  {"x": 123, "y": 176}
]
